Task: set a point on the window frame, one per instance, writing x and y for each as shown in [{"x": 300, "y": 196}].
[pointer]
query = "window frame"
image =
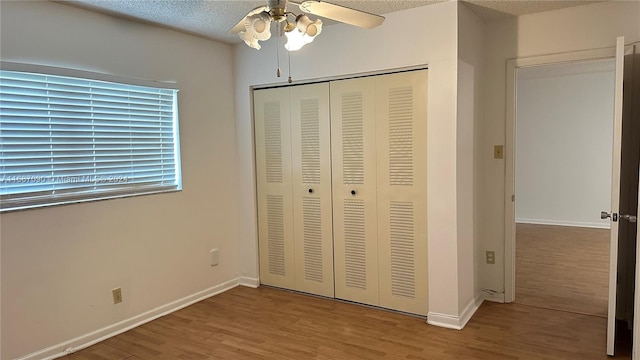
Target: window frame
[{"x": 49, "y": 198}]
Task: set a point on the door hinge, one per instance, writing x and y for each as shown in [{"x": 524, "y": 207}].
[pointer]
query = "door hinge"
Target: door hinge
[{"x": 513, "y": 197}]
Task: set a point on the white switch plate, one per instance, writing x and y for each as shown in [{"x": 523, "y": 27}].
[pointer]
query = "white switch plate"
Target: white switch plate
[{"x": 214, "y": 257}]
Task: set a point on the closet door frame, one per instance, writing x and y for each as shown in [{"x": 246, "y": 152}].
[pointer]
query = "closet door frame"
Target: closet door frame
[{"x": 340, "y": 192}]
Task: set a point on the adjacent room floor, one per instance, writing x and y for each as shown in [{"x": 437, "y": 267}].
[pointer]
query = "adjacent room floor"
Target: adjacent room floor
[
  {"x": 268, "y": 323},
  {"x": 563, "y": 268}
]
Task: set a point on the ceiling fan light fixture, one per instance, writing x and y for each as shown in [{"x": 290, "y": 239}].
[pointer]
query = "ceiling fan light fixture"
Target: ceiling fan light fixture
[
  {"x": 295, "y": 40},
  {"x": 308, "y": 27},
  {"x": 249, "y": 40},
  {"x": 303, "y": 33},
  {"x": 289, "y": 27},
  {"x": 258, "y": 26}
]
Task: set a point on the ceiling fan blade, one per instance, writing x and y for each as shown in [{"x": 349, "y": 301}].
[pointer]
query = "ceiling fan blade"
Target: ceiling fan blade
[
  {"x": 240, "y": 25},
  {"x": 343, "y": 14}
]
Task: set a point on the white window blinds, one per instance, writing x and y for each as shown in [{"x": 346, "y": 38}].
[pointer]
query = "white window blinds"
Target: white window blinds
[{"x": 66, "y": 139}]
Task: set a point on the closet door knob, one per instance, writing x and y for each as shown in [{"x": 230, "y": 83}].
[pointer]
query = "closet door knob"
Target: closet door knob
[
  {"x": 353, "y": 192},
  {"x": 310, "y": 190}
]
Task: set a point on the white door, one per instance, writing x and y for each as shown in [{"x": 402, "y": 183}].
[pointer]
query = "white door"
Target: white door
[
  {"x": 353, "y": 145},
  {"x": 274, "y": 187},
  {"x": 311, "y": 164},
  {"x": 401, "y": 130},
  {"x": 615, "y": 196}
]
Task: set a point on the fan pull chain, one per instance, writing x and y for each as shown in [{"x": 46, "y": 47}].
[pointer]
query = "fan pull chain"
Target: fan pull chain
[
  {"x": 278, "y": 52},
  {"x": 289, "y": 56}
]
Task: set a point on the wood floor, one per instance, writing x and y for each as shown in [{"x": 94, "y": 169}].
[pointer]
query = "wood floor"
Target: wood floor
[
  {"x": 268, "y": 323},
  {"x": 563, "y": 268}
]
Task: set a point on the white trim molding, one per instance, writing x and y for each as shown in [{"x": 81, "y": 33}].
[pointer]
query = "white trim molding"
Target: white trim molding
[
  {"x": 456, "y": 322},
  {"x": 249, "y": 281},
  {"x": 86, "y": 340}
]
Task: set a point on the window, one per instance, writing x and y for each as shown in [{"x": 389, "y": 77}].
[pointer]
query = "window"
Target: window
[{"x": 69, "y": 139}]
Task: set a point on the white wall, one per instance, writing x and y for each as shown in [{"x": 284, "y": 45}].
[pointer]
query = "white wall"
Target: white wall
[
  {"x": 59, "y": 264},
  {"x": 342, "y": 50},
  {"x": 572, "y": 29},
  {"x": 564, "y": 138},
  {"x": 470, "y": 54}
]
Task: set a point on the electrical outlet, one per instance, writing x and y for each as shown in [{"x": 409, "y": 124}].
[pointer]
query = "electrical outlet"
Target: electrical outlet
[
  {"x": 498, "y": 152},
  {"x": 491, "y": 257},
  {"x": 117, "y": 295}
]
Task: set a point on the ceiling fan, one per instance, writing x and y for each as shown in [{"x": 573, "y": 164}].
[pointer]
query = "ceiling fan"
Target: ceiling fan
[{"x": 256, "y": 25}]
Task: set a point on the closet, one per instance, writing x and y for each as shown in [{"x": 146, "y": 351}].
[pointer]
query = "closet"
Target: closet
[{"x": 341, "y": 183}]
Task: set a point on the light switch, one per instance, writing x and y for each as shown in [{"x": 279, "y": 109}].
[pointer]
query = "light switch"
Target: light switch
[{"x": 498, "y": 152}]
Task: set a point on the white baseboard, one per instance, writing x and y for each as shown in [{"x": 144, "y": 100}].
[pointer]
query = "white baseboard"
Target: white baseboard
[
  {"x": 456, "y": 322},
  {"x": 84, "y": 341},
  {"x": 249, "y": 281},
  {"x": 596, "y": 225},
  {"x": 470, "y": 309}
]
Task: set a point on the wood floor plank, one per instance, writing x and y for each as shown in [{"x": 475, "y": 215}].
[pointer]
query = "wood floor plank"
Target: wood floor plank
[
  {"x": 268, "y": 323},
  {"x": 563, "y": 268},
  {"x": 103, "y": 351}
]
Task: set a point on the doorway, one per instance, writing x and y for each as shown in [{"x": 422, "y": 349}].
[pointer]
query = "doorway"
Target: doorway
[
  {"x": 624, "y": 186},
  {"x": 563, "y": 155}
]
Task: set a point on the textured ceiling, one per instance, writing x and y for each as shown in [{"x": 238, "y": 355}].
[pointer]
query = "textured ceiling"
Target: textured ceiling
[{"x": 212, "y": 18}]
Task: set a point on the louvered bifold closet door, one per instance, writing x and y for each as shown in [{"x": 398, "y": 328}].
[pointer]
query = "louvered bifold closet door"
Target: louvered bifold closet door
[
  {"x": 354, "y": 189},
  {"x": 401, "y": 130},
  {"x": 274, "y": 186},
  {"x": 311, "y": 162}
]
